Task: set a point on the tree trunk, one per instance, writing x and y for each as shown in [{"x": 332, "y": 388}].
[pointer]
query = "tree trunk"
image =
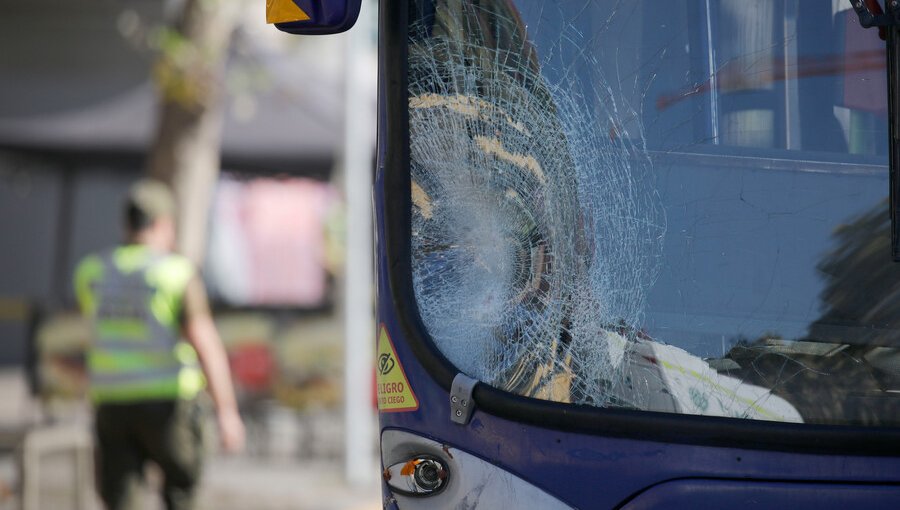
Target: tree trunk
[{"x": 186, "y": 148}]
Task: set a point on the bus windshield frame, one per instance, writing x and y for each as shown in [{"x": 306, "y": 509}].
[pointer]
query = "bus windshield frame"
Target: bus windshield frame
[{"x": 661, "y": 426}]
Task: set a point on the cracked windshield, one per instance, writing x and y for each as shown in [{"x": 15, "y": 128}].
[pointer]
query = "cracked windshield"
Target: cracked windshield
[{"x": 678, "y": 209}]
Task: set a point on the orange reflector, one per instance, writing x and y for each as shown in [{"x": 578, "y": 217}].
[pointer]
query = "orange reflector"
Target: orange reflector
[
  {"x": 410, "y": 467},
  {"x": 284, "y": 11}
]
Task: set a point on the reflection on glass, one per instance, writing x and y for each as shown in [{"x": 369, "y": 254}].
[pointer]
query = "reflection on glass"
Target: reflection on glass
[{"x": 667, "y": 211}]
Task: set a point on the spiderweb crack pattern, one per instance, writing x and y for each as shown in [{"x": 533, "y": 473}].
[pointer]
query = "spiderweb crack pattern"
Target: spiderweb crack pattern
[{"x": 536, "y": 233}]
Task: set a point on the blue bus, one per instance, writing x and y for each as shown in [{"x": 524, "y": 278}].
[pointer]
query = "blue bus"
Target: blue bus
[{"x": 635, "y": 254}]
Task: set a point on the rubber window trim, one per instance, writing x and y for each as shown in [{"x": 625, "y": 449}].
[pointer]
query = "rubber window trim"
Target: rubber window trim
[{"x": 621, "y": 423}]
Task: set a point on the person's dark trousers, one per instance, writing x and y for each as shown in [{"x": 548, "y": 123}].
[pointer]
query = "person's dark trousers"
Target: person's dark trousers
[{"x": 167, "y": 433}]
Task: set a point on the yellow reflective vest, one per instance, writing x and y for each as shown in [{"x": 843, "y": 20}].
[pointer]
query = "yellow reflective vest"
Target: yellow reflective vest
[{"x": 134, "y": 299}]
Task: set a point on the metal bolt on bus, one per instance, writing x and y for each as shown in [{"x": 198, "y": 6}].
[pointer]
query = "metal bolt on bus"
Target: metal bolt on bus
[{"x": 635, "y": 257}]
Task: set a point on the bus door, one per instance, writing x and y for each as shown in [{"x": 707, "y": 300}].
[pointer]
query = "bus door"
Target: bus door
[{"x": 635, "y": 255}]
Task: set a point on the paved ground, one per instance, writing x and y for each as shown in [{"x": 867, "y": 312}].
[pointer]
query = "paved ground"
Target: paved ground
[
  {"x": 229, "y": 484},
  {"x": 293, "y": 463},
  {"x": 252, "y": 484}
]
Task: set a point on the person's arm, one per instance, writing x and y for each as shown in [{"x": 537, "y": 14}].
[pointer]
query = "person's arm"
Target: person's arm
[{"x": 201, "y": 332}]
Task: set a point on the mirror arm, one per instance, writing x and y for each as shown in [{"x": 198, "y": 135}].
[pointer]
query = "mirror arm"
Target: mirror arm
[{"x": 888, "y": 22}]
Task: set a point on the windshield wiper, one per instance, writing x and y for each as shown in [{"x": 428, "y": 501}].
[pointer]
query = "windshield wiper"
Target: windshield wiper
[{"x": 888, "y": 22}]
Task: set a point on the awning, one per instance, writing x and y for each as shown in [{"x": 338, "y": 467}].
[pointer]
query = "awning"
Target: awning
[{"x": 74, "y": 79}]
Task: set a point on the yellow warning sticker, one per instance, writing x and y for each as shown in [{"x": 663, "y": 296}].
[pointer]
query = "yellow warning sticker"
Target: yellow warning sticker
[
  {"x": 284, "y": 11},
  {"x": 394, "y": 393}
]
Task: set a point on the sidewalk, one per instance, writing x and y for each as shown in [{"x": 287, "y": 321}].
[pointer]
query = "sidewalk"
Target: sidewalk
[
  {"x": 246, "y": 483},
  {"x": 296, "y": 466},
  {"x": 237, "y": 483}
]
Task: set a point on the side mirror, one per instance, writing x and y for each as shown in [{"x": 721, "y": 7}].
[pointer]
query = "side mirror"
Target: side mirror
[{"x": 312, "y": 17}]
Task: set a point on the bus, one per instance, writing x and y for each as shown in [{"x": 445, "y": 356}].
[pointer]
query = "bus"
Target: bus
[{"x": 635, "y": 254}]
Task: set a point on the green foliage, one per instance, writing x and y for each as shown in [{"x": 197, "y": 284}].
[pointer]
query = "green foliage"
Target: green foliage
[{"x": 183, "y": 72}]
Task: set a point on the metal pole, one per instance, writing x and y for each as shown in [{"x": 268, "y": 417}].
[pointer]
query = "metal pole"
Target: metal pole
[{"x": 360, "y": 464}]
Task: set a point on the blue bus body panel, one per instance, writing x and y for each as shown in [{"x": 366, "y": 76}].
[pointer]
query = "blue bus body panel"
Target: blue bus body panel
[
  {"x": 588, "y": 471},
  {"x": 737, "y": 495}
]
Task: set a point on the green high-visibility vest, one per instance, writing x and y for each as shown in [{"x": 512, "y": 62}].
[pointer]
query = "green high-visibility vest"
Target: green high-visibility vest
[{"x": 134, "y": 299}]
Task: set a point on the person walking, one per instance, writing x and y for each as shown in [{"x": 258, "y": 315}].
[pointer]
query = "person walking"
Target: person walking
[{"x": 155, "y": 348}]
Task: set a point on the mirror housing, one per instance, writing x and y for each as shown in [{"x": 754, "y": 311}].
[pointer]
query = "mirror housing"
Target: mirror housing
[{"x": 312, "y": 17}]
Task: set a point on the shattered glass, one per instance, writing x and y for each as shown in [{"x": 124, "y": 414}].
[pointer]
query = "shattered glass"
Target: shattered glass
[{"x": 618, "y": 206}]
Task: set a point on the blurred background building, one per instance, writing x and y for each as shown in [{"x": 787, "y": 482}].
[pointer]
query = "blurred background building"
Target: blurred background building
[{"x": 78, "y": 112}]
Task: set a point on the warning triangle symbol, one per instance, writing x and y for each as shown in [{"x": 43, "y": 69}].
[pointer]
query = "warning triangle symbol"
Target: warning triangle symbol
[
  {"x": 284, "y": 11},
  {"x": 394, "y": 392}
]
